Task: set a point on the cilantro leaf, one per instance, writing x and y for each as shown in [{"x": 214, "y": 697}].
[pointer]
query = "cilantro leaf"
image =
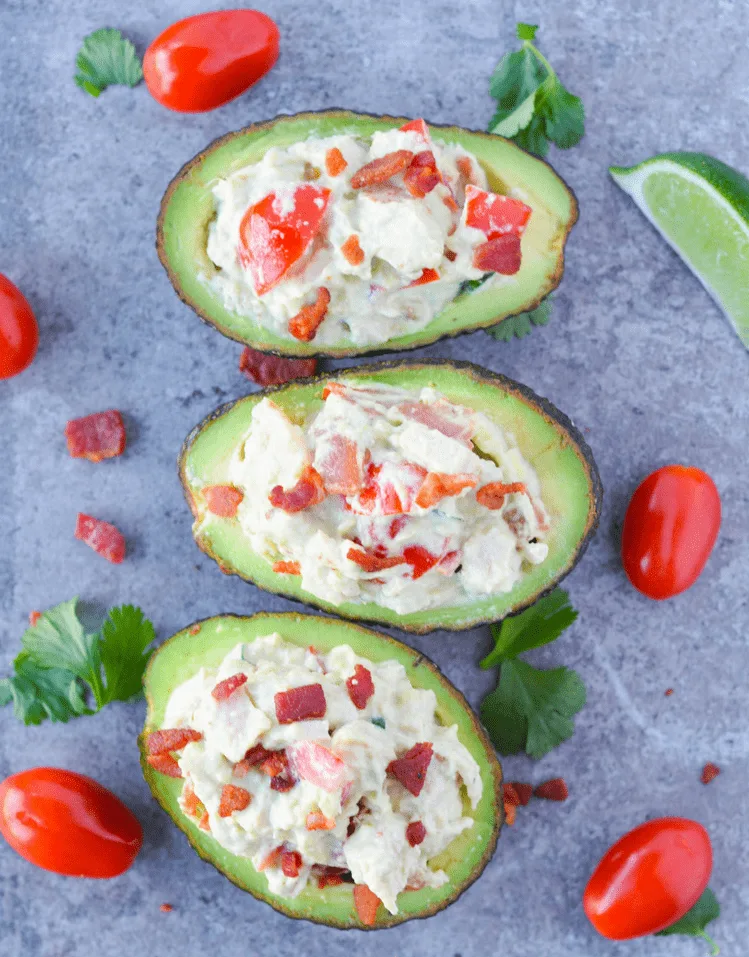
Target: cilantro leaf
[
  {"x": 125, "y": 637},
  {"x": 694, "y": 922},
  {"x": 39, "y": 693},
  {"x": 516, "y": 79},
  {"x": 521, "y": 325},
  {"x": 532, "y": 709},
  {"x": 538, "y": 625},
  {"x": 563, "y": 114},
  {"x": 105, "y": 59},
  {"x": 58, "y": 640}
]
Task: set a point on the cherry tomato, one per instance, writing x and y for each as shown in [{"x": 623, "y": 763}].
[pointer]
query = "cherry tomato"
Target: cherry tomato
[
  {"x": 204, "y": 61},
  {"x": 19, "y": 334},
  {"x": 649, "y": 879},
  {"x": 669, "y": 530},
  {"x": 68, "y": 823}
]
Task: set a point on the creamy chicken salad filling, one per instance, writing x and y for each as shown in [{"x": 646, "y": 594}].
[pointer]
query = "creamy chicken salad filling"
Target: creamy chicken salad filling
[
  {"x": 359, "y": 239},
  {"x": 388, "y": 495},
  {"x": 319, "y": 767}
]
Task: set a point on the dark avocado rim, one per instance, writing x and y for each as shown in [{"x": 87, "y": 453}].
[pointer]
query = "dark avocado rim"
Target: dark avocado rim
[
  {"x": 419, "y": 659},
  {"x": 559, "y": 420},
  {"x": 552, "y": 282}
]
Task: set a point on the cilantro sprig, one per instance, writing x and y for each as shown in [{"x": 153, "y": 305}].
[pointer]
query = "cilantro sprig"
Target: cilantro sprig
[
  {"x": 107, "y": 59},
  {"x": 517, "y": 327},
  {"x": 62, "y": 672},
  {"x": 694, "y": 922},
  {"x": 532, "y": 709}
]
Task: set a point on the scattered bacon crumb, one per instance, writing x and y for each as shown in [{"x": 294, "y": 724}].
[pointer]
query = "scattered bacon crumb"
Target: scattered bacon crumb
[
  {"x": 335, "y": 162},
  {"x": 415, "y": 833},
  {"x": 170, "y": 739},
  {"x": 352, "y": 251},
  {"x": 287, "y": 568},
  {"x": 306, "y": 322},
  {"x": 422, "y": 174},
  {"x": 501, "y": 255},
  {"x": 449, "y": 201},
  {"x": 360, "y": 687},
  {"x": 517, "y": 793},
  {"x": 427, "y": 275},
  {"x": 105, "y": 539},
  {"x": 668, "y": 692},
  {"x": 373, "y": 563},
  {"x": 190, "y": 800},
  {"x": 553, "y": 790},
  {"x": 709, "y": 772},
  {"x": 465, "y": 168},
  {"x": 309, "y": 490},
  {"x": 204, "y": 823},
  {"x": 300, "y": 704},
  {"x": 492, "y": 496},
  {"x": 272, "y": 860},
  {"x": 165, "y": 764},
  {"x": 194, "y": 629},
  {"x": 275, "y": 764},
  {"x": 411, "y": 768},
  {"x": 264, "y": 369},
  {"x": 222, "y": 500},
  {"x": 510, "y": 812},
  {"x": 233, "y": 798},
  {"x": 450, "y": 254},
  {"x": 328, "y": 876},
  {"x": 166, "y": 908},
  {"x": 366, "y": 903},
  {"x": 382, "y": 169},
  {"x": 439, "y": 485},
  {"x": 96, "y": 437},
  {"x": 317, "y": 821},
  {"x": 226, "y": 688},
  {"x": 34, "y": 617},
  {"x": 291, "y": 863},
  {"x": 282, "y": 782}
]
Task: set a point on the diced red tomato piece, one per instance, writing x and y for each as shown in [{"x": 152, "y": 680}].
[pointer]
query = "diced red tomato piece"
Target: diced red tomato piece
[
  {"x": 422, "y": 174},
  {"x": 165, "y": 764},
  {"x": 317, "y": 764},
  {"x": 264, "y": 369},
  {"x": 291, "y": 863},
  {"x": 105, "y": 539},
  {"x": 339, "y": 468},
  {"x": 371, "y": 562},
  {"x": 287, "y": 568},
  {"x": 171, "y": 739},
  {"x": 34, "y": 617},
  {"x": 397, "y": 525},
  {"x": 352, "y": 251},
  {"x": 97, "y": 436},
  {"x": 494, "y": 214},
  {"x": 415, "y": 833},
  {"x": 417, "y": 126},
  {"x": 306, "y": 322},
  {"x": 366, "y": 903},
  {"x": 360, "y": 687},
  {"x": 308, "y": 491},
  {"x": 449, "y": 562},
  {"x": 300, "y": 704},
  {"x": 500, "y": 255},
  {"x": 438, "y": 485},
  {"x": 335, "y": 162},
  {"x": 226, "y": 688},
  {"x": 272, "y": 238},
  {"x": 382, "y": 496},
  {"x": 272, "y": 860},
  {"x": 382, "y": 169},
  {"x": 427, "y": 275},
  {"x": 190, "y": 800},
  {"x": 223, "y": 500},
  {"x": 420, "y": 559},
  {"x": 492, "y": 496},
  {"x": 233, "y": 798},
  {"x": 411, "y": 768},
  {"x": 316, "y": 821}
]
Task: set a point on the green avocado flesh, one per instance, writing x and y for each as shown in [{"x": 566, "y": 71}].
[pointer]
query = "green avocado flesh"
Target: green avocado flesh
[
  {"x": 463, "y": 860},
  {"x": 570, "y": 484},
  {"x": 187, "y": 210}
]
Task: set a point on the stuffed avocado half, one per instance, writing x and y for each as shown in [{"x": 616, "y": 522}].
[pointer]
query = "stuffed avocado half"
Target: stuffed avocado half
[
  {"x": 343, "y": 234},
  {"x": 419, "y": 495},
  {"x": 384, "y": 706}
]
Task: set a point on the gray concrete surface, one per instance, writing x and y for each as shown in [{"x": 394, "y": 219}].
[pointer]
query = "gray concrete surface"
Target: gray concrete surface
[{"x": 636, "y": 353}]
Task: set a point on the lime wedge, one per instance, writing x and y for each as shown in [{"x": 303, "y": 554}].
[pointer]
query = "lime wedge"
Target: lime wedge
[{"x": 701, "y": 208}]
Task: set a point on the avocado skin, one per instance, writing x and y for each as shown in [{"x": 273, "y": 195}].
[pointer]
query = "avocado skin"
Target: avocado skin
[
  {"x": 308, "y": 349},
  {"x": 347, "y": 920},
  {"x": 564, "y": 425}
]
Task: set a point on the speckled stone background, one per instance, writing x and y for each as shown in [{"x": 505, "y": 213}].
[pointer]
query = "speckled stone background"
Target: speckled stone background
[{"x": 636, "y": 353}]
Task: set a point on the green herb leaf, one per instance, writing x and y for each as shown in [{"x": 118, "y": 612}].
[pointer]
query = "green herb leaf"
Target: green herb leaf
[
  {"x": 563, "y": 113},
  {"x": 515, "y": 80},
  {"x": 58, "y": 640},
  {"x": 125, "y": 637},
  {"x": 516, "y": 327},
  {"x": 531, "y": 709},
  {"x": 526, "y": 31},
  {"x": 538, "y": 625},
  {"x": 694, "y": 922},
  {"x": 105, "y": 59},
  {"x": 39, "y": 693}
]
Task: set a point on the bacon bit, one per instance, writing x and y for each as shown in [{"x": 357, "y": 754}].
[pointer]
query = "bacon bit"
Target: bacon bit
[
  {"x": 438, "y": 485},
  {"x": 308, "y": 491},
  {"x": 411, "y": 768},
  {"x": 166, "y": 908},
  {"x": 272, "y": 860},
  {"x": 366, "y": 903},
  {"x": 233, "y": 798},
  {"x": 194, "y": 629},
  {"x": 291, "y": 863},
  {"x": 450, "y": 254},
  {"x": 190, "y": 800},
  {"x": 264, "y": 369},
  {"x": 282, "y": 782},
  {"x": 420, "y": 560},
  {"x": 275, "y": 764},
  {"x": 517, "y": 793},
  {"x": 305, "y": 323},
  {"x": 222, "y": 500},
  {"x": 417, "y": 126},
  {"x": 300, "y": 704},
  {"x": 510, "y": 813},
  {"x": 105, "y": 539},
  {"x": 335, "y": 162},
  {"x": 170, "y": 739},
  {"x": 415, "y": 833},
  {"x": 373, "y": 563},
  {"x": 492, "y": 496},
  {"x": 427, "y": 275},
  {"x": 553, "y": 790},
  {"x": 204, "y": 823},
  {"x": 333, "y": 388},
  {"x": 709, "y": 772},
  {"x": 465, "y": 168},
  {"x": 360, "y": 687},
  {"x": 668, "y": 692},
  {"x": 316, "y": 821},
  {"x": 96, "y": 437},
  {"x": 382, "y": 169},
  {"x": 315, "y": 763},
  {"x": 501, "y": 255},
  {"x": 352, "y": 251},
  {"x": 34, "y": 617},
  {"x": 226, "y": 688},
  {"x": 241, "y": 769},
  {"x": 287, "y": 568},
  {"x": 165, "y": 764},
  {"x": 328, "y": 876},
  {"x": 422, "y": 174}
]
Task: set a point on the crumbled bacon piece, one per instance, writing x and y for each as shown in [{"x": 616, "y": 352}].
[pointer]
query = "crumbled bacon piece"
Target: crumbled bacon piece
[
  {"x": 306, "y": 322},
  {"x": 257, "y": 754},
  {"x": 415, "y": 833},
  {"x": 709, "y": 772},
  {"x": 241, "y": 769},
  {"x": 165, "y": 764},
  {"x": 492, "y": 496},
  {"x": 439, "y": 485},
  {"x": 96, "y": 437},
  {"x": 287, "y": 568},
  {"x": 34, "y": 617},
  {"x": 204, "y": 822},
  {"x": 233, "y": 798},
  {"x": 282, "y": 782},
  {"x": 275, "y": 764},
  {"x": 264, "y": 369},
  {"x": 465, "y": 168},
  {"x": 166, "y": 908},
  {"x": 308, "y": 491},
  {"x": 382, "y": 169},
  {"x": 105, "y": 539},
  {"x": 316, "y": 821},
  {"x": 226, "y": 688},
  {"x": 300, "y": 704},
  {"x": 170, "y": 739},
  {"x": 291, "y": 863},
  {"x": 194, "y": 629},
  {"x": 329, "y": 876},
  {"x": 411, "y": 768},
  {"x": 352, "y": 251},
  {"x": 510, "y": 812},
  {"x": 517, "y": 793},
  {"x": 366, "y": 903},
  {"x": 450, "y": 254},
  {"x": 501, "y": 255},
  {"x": 272, "y": 860},
  {"x": 335, "y": 162},
  {"x": 417, "y": 126},
  {"x": 371, "y": 562},
  {"x": 360, "y": 687},
  {"x": 422, "y": 174},
  {"x": 668, "y": 692},
  {"x": 427, "y": 275},
  {"x": 553, "y": 790},
  {"x": 223, "y": 500},
  {"x": 190, "y": 800}
]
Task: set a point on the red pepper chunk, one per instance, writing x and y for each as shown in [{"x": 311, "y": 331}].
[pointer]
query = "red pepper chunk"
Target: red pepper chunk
[
  {"x": 300, "y": 704},
  {"x": 360, "y": 687},
  {"x": 494, "y": 214},
  {"x": 233, "y": 798},
  {"x": 291, "y": 863},
  {"x": 411, "y": 768},
  {"x": 309, "y": 490},
  {"x": 96, "y": 437},
  {"x": 415, "y": 833},
  {"x": 373, "y": 563},
  {"x": 105, "y": 539},
  {"x": 165, "y": 764},
  {"x": 420, "y": 559},
  {"x": 264, "y": 369},
  {"x": 500, "y": 255},
  {"x": 223, "y": 500},
  {"x": 422, "y": 174},
  {"x": 492, "y": 496},
  {"x": 419, "y": 127},
  {"x": 226, "y": 688},
  {"x": 170, "y": 739},
  {"x": 427, "y": 275}
]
